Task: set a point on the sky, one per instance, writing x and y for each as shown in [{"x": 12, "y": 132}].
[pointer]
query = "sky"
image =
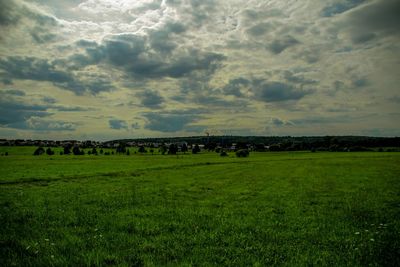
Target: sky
[{"x": 102, "y": 69}]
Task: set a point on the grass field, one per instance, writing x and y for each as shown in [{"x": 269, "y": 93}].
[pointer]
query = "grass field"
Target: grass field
[{"x": 282, "y": 209}]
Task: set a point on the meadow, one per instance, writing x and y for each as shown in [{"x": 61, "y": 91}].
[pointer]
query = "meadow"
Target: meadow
[{"x": 270, "y": 209}]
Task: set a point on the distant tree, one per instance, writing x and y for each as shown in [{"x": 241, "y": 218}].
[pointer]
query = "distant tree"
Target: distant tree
[
  {"x": 6, "y": 154},
  {"x": 76, "y": 151},
  {"x": 223, "y": 154},
  {"x": 61, "y": 153},
  {"x": 94, "y": 151},
  {"x": 242, "y": 153},
  {"x": 39, "y": 151},
  {"x": 49, "y": 151},
  {"x": 152, "y": 151},
  {"x": 101, "y": 151},
  {"x": 195, "y": 149},
  {"x": 107, "y": 153},
  {"x": 184, "y": 148},
  {"x": 89, "y": 152},
  {"x": 142, "y": 149},
  {"x": 275, "y": 147},
  {"x": 259, "y": 147},
  {"x": 127, "y": 152},
  {"x": 173, "y": 149},
  {"x": 121, "y": 149},
  {"x": 67, "y": 150},
  {"x": 163, "y": 149}
]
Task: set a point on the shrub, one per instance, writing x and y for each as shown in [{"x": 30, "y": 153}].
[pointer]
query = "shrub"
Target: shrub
[
  {"x": 173, "y": 149},
  {"x": 49, "y": 151},
  {"x": 142, "y": 149},
  {"x": 195, "y": 149},
  {"x": 39, "y": 151},
  {"x": 6, "y": 154},
  {"x": 223, "y": 154},
  {"x": 242, "y": 153}
]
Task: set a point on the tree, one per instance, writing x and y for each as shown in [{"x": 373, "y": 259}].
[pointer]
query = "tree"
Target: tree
[
  {"x": 67, "y": 150},
  {"x": 223, "y": 154},
  {"x": 142, "y": 149},
  {"x": 127, "y": 152},
  {"x": 39, "y": 151},
  {"x": 172, "y": 149},
  {"x": 94, "y": 151},
  {"x": 196, "y": 149},
  {"x": 184, "y": 148},
  {"x": 76, "y": 151},
  {"x": 101, "y": 151},
  {"x": 121, "y": 148},
  {"x": 49, "y": 151},
  {"x": 163, "y": 149},
  {"x": 242, "y": 153}
]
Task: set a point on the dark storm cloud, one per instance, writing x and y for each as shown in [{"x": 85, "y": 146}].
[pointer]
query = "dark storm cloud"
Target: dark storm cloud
[
  {"x": 117, "y": 124},
  {"x": 278, "y": 91},
  {"x": 160, "y": 39},
  {"x": 8, "y": 13},
  {"x": 14, "y": 113},
  {"x": 154, "y": 56},
  {"x": 361, "y": 82},
  {"x": 271, "y": 91},
  {"x": 380, "y": 18},
  {"x": 236, "y": 86},
  {"x": 14, "y": 92},
  {"x": 259, "y": 29},
  {"x": 41, "y": 37},
  {"x": 297, "y": 79},
  {"x": 281, "y": 44},
  {"x": 11, "y": 12},
  {"x": 277, "y": 122},
  {"x": 340, "y": 7},
  {"x": 150, "y": 99},
  {"x": 30, "y": 68},
  {"x": 172, "y": 121}
]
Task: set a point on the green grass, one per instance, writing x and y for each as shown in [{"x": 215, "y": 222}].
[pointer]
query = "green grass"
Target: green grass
[{"x": 282, "y": 209}]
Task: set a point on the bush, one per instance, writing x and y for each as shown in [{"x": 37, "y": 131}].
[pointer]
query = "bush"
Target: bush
[
  {"x": 49, "y": 151},
  {"x": 39, "y": 151},
  {"x": 195, "y": 149},
  {"x": 242, "y": 153},
  {"x": 6, "y": 154},
  {"x": 223, "y": 154},
  {"x": 142, "y": 149}
]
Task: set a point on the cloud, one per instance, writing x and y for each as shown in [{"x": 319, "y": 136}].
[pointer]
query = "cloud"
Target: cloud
[
  {"x": 278, "y": 91},
  {"x": 376, "y": 19},
  {"x": 8, "y": 13},
  {"x": 259, "y": 29},
  {"x": 31, "y": 68},
  {"x": 150, "y": 99},
  {"x": 14, "y": 113},
  {"x": 277, "y": 122},
  {"x": 281, "y": 44},
  {"x": 117, "y": 124},
  {"x": 13, "y": 92},
  {"x": 135, "y": 126},
  {"x": 340, "y": 7},
  {"x": 236, "y": 87},
  {"x": 172, "y": 121},
  {"x": 39, "y": 124}
]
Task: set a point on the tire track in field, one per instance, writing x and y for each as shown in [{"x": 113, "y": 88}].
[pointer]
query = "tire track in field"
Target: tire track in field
[{"x": 136, "y": 173}]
